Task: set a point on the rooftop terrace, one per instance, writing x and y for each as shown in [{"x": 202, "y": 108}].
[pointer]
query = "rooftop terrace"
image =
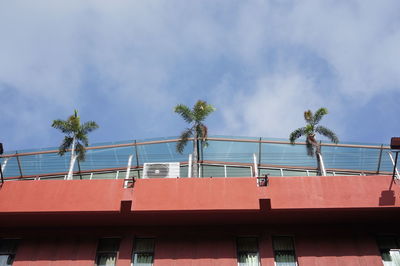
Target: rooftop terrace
[{"x": 224, "y": 157}]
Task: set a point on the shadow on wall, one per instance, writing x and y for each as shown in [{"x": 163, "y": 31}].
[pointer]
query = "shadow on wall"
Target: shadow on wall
[{"x": 387, "y": 198}]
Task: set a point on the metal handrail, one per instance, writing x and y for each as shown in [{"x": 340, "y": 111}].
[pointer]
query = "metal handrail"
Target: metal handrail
[{"x": 133, "y": 144}]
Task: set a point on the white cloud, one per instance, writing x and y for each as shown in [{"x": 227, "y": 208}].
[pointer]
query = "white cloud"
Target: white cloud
[
  {"x": 129, "y": 59},
  {"x": 274, "y": 108}
]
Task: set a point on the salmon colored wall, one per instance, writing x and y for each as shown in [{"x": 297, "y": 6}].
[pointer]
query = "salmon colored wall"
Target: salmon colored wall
[
  {"x": 56, "y": 252},
  {"x": 337, "y": 250},
  {"x": 61, "y": 195},
  {"x": 195, "y": 194},
  {"x": 211, "y": 247},
  {"x": 331, "y": 192}
]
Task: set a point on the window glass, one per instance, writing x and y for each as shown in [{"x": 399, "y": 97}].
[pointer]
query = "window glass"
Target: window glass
[
  {"x": 8, "y": 248},
  {"x": 144, "y": 252},
  {"x": 390, "y": 250},
  {"x": 247, "y": 251},
  {"x": 284, "y": 251},
  {"x": 107, "y": 251}
]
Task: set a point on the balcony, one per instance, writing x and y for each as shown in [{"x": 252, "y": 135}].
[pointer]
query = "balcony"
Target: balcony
[{"x": 224, "y": 157}]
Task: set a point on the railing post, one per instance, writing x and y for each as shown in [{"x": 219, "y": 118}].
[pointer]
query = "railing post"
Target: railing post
[
  {"x": 379, "y": 160},
  {"x": 395, "y": 165},
  {"x": 137, "y": 159},
  {"x": 19, "y": 166},
  {"x": 1, "y": 174},
  {"x": 259, "y": 156},
  {"x": 79, "y": 169}
]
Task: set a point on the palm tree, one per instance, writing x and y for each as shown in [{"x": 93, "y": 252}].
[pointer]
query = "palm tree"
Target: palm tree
[
  {"x": 197, "y": 129},
  {"x": 76, "y": 138},
  {"x": 309, "y": 131}
]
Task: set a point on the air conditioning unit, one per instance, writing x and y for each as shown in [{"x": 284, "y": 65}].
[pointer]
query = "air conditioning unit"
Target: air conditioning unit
[{"x": 161, "y": 170}]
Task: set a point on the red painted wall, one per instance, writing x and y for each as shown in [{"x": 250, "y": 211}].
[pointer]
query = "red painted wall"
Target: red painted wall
[
  {"x": 61, "y": 196},
  {"x": 210, "y": 246},
  {"x": 197, "y": 194},
  {"x": 332, "y": 192}
]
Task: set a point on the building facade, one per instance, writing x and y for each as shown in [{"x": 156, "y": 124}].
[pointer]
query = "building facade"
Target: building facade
[{"x": 110, "y": 215}]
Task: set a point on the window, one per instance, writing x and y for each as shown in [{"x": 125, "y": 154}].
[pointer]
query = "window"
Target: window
[
  {"x": 107, "y": 251},
  {"x": 144, "y": 252},
  {"x": 284, "y": 251},
  {"x": 7, "y": 251},
  {"x": 247, "y": 251},
  {"x": 390, "y": 250}
]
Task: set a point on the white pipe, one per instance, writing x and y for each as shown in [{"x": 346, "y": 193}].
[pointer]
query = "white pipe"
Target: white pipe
[
  {"x": 3, "y": 166},
  {"x": 72, "y": 162},
  {"x": 391, "y": 158},
  {"x": 128, "y": 170},
  {"x": 71, "y": 168},
  {"x": 190, "y": 165},
  {"x": 255, "y": 165},
  {"x": 322, "y": 164},
  {"x": 128, "y": 167}
]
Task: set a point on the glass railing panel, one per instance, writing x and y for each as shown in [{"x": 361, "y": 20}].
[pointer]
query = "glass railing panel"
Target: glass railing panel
[
  {"x": 11, "y": 168},
  {"x": 107, "y": 158},
  {"x": 162, "y": 152},
  {"x": 287, "y": 172},
  {"x": 44, "y": 163},
  {"x": 269, "y": 172},
  {"x": 386, "y": 163},
  {"x": 229, "y": 151},
  {"x": 212, "y": 171},
  {"x": 184, "y": 171},
  {"x": 122, "y": 174},
  {"x": 351, "y": 158},
  {"x": 286, "y": 154},
  {"x": 110, "y": 175},
  {"x": 233, "y": 171}
]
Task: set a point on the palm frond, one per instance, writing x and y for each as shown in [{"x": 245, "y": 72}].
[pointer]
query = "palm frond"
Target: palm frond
[
  {"x": 309, "y": 129},
  {"x": 185, "y": 112},
  {"x": 80, "y": 152},
  {"x": 201, "y": 110},
  {"x": 83, "y": 138},
  {"x": 89, "y": 127},
  {"x": 62, "y": 125},
  {"x": 65, "y": 145},
  {"x": 327, "y": 133},
  {"x": 297, "y": 134},
  {"x": 184, "y": 138},
  {"x": 73, "y": 128},
  {"x": 319, "y": 114},
  {"x": 308, "y": 116},
  {"x": 74, "y": 123}
]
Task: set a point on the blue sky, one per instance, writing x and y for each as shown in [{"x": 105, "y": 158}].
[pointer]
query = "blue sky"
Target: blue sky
[{"x": 126, "y": 64}]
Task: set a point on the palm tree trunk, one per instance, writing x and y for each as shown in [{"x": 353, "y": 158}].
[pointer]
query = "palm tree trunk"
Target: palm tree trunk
[
  {"x": 72, "y": 161},
  {"x": 195, "y": 157},
  {"x": 320, "y": 162}
]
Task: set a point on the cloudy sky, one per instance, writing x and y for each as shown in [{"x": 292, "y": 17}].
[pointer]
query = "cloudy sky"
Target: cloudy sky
[{"x": 126, "y": 64}]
